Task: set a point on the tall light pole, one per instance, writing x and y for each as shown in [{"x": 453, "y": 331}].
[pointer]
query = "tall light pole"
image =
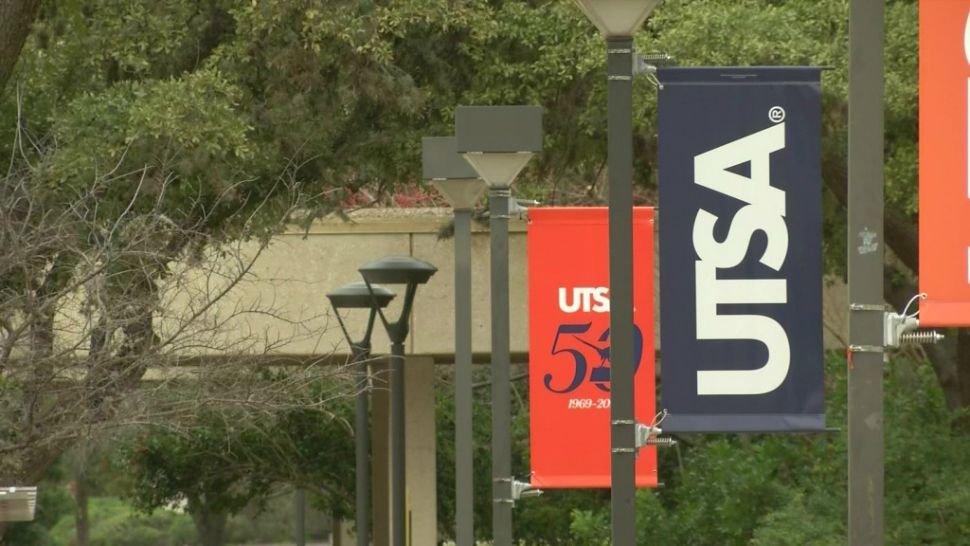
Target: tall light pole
[
  {"x": 459, "y": 183},
  {"x": 410, "y": 272},
  {"x": 357, "y": 296},
  {"x": 498, "y": 141},
  {"x": 865, "y": 246},
  {"x": 618, "y": 20}
]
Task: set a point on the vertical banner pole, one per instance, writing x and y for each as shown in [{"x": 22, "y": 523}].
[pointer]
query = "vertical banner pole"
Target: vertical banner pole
[
  {"x": 464, "y": 496},
  {"x": 398, "y": 453},
  {"x": 362, "y": 446},
  {"x": 501, "y": 402},
  {"x": 865, "y": 261},
  {"x": 619, "y": 62}
]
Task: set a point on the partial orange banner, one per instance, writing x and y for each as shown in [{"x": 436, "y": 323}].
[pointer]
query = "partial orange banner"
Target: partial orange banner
[{"x": 944, "y": 177}]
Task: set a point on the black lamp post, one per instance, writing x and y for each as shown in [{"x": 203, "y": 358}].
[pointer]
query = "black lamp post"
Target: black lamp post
[
  {"x": 357, "y": 296},
  {"x": 498, "y": 141},
  {"x": 459, "y": 183},
  {"x": 410, "y": 272},
  {"x": 618, "y": 20}
]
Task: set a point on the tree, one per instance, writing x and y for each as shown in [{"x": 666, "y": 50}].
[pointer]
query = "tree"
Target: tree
[
  {"x": 231, "y": 459},
  {"x": 89, "y": 306},
  {"x": 133, "y": 168}
]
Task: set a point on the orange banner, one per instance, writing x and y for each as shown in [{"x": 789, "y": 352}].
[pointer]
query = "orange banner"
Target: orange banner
[
  {"x": 569, "y": 346},
  {"x": 944, "y": 178}
]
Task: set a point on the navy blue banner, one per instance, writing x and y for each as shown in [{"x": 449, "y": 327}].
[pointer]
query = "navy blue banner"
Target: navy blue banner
[{"x": 740, "y": 249}]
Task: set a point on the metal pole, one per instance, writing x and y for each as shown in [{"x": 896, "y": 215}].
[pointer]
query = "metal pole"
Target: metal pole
[
  {"x": 398, "y": 517},
  {"x": 464, "y": 482},
  {"x": 619, "y": 62},
  {"x": 501, "y": 407},
  {"x": 362, "y": 444},
  {"x": 866, "y": 272},
  {"x": 299, "y": 515}
]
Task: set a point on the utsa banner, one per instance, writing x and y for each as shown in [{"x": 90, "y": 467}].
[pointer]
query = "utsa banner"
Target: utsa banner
[
  {"x": 740, "y": 249},
  {"x": 944, "y": 178},
  {"x": 569, "y": 346}
]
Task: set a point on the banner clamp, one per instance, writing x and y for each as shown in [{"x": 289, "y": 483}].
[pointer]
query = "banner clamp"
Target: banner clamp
[
  {"x": 876, "y": 307},
  {"x": 866, "y": 349},
  {"x": 515, "y": 490}
]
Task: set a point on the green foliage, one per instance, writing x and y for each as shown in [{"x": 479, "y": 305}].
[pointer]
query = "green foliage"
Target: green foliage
[
  {"x": 232, "y": 101},
  {"x": 791, "y": 489},
  {"x": 336, "y": 95},
  {"x": 116, "y": 523},
  {"x": 195, "y": 466},
  {"x": 232, "y": 459},
  {"x": 445, "y": 461}
]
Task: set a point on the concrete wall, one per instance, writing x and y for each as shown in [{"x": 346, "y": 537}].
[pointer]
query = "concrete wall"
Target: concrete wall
[
  {"x": 295, "y": 272},
  {"x": 292, "y": 276}
]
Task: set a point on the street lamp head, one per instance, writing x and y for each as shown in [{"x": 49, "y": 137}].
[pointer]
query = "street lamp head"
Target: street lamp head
[
  {"x": 451, "y": 174},
  {"x": 498, "y": 141},
  {"x": 397, "y": 270},
  {"x": 615, "y": 18},
  {"x": 356, "y": 296}
]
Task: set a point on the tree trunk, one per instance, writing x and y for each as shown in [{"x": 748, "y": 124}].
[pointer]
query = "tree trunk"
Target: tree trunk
[
  {"x": 82, "y": 523},
  {"x": 16, "y": 18},
  {"x": 210, "y": 527}
]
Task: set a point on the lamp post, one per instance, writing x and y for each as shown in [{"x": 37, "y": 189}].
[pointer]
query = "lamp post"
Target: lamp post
[
  {"x": 459, "y": 183},
  {"x": 498, "y": 141},
  {"x": 357, "y": 296},
  {"x": 410, "y": 272},
  {"x": 865, "y": 268},
  {"x": 617, "y": 20}
]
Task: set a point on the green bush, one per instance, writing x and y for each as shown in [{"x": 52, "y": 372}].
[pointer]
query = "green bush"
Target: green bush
[{"x": 116, "y": 523}]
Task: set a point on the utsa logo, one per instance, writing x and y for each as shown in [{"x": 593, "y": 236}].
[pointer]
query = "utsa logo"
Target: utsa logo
[
  {"x": 585, "y": 299},
  {"x": 764, "y": 211}
]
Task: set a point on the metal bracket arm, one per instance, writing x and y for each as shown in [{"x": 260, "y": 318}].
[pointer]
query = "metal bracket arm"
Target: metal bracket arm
[{"x": 512, "y": 490}]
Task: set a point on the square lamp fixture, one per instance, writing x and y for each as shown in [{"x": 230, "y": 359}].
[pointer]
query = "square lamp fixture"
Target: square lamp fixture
[
  {"x": 498, "y": 141},
  {"x": 450, "y": 172},
  {"x": 616, "y": 18}
]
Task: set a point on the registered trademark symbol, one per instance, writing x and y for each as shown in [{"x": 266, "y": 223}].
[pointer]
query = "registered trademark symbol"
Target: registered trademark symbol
[{"x": 776, "y": 114}]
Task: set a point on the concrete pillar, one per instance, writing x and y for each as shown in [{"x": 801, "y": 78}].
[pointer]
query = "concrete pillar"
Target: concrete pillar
[
  {"x": 380, "y": 453},
  {"x": 420, "y": 470},
  {"x": 343, "y": 533}
]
